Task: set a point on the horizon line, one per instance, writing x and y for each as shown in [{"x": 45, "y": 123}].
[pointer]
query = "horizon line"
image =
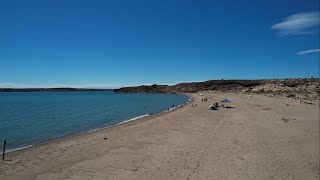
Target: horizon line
[{"x": 103, "y": 86}]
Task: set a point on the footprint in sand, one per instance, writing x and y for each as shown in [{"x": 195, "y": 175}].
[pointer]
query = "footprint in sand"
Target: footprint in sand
[
  {"x": 266, "y": 109},
  {"x": 285, "y": 120}
]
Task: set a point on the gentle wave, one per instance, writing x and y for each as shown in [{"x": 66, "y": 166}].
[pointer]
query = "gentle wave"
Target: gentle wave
[
  {"x": 135, "y": 118},
  {"x": 16, "y": 149},
  {"x": 139, "y": 117}
]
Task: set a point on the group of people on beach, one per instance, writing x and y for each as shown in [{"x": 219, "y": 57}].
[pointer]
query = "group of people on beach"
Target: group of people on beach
[
  {"x": 214, "y": 106},
  {"x": 173, "y": 106},
  {"x": 204, "y": 99}
]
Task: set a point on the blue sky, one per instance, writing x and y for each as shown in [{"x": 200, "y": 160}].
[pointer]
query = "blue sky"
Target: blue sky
[{"x": 103, "y": 43}]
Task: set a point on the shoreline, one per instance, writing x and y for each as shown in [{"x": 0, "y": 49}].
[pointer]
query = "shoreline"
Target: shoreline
[
  {"x": 261, "y": 138},
  {"x": 53, "y": 140}
]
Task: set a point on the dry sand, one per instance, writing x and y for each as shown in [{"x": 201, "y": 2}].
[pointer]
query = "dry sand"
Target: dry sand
[{"x": 261, "y": 138}]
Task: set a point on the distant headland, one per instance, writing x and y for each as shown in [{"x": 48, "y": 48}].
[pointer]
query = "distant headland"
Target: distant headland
[{"x": 50, "y": 89}]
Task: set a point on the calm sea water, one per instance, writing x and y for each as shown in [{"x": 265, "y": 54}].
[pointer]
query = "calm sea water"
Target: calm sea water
[{"x": 34, "y": 117}]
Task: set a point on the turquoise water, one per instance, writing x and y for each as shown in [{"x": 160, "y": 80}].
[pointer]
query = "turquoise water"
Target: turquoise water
[{"x": 33, "y": 117}]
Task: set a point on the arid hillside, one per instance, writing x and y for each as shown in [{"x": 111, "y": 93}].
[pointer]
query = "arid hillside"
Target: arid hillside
[{"x": 305, "y": 89}]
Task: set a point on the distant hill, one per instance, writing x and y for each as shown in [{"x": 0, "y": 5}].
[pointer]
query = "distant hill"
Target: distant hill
[
  {"x": 49, "y": 89},
  {"x": 193, "y": 86},
  {"x": 302, "y": 88}
]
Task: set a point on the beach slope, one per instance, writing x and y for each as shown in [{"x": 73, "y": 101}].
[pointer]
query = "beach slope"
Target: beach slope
[{"x": 260, "y": 138}]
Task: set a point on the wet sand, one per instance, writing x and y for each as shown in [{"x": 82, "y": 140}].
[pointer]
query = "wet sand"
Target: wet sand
[{"x": 260, "y": 138}]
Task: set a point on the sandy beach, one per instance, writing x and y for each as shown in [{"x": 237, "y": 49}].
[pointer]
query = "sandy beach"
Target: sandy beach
[{"x": 260, "y": 138}]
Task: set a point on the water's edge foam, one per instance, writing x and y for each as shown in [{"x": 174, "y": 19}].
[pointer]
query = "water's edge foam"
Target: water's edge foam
[
  {"x": 19, "y": 148},
  {"x": 122, "y": 122}
]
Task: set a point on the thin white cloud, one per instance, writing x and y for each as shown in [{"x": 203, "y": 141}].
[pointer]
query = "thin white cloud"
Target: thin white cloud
[
  {"x": 298, "y": 24},
  {"x": 308, "y": 51}
]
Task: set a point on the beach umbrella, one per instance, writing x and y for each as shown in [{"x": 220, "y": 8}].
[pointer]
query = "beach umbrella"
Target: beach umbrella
[{"x": 225, "y": 101}]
